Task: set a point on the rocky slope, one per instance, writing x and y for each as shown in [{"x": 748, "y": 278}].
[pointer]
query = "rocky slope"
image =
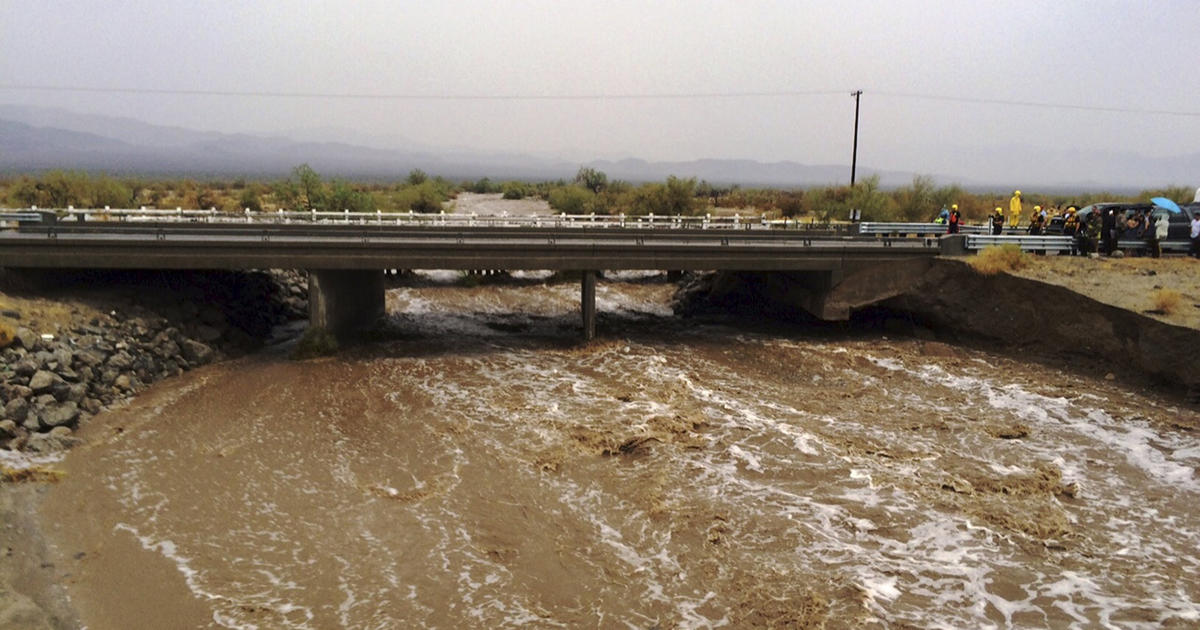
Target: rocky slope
[{"x": 78, "y": 343}]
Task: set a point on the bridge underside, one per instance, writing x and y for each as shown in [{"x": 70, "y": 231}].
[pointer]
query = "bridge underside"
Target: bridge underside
[
  {"x": 827, "y": 277},
  {"x": 344, "y": 301}
]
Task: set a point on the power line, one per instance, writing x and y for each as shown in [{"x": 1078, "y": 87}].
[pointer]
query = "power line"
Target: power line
[
  {"x": 422, "y": 97},
  {"x": 628, "y": 96},
  {"x": 1038, "y": 104}
]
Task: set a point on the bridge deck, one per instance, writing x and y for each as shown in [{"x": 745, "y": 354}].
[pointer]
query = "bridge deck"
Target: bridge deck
[{"x": 482, "y": 248}]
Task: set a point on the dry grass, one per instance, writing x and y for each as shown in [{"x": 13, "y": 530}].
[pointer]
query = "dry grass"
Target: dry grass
[
  {"x": 35, "y": 474},
  {"x": 1005, "y": 258},
  {"x": 7, "y": 334},
  {"x": 1165, "y": 301}
]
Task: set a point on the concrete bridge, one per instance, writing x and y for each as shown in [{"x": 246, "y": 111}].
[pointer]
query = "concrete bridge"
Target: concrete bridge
[{"x": 346, "y": 262}]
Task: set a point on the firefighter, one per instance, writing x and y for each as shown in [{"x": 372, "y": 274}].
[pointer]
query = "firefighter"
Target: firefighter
[
  {"x": 1036, "y": 221},
  {"x": 1014, "y": 209},
  {"x": 997, "y": 222},
  {"x": 1070, "y": 222},
  {"x": 955, "y": 220}
]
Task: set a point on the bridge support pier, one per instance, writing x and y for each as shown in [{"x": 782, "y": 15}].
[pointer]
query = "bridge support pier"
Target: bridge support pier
[
  {"x": 344, "y": 300},
  {"x": 587, "y": 304}
]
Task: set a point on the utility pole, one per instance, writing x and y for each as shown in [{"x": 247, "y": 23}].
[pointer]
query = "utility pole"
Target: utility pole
[{"x": 854, "y": 159}]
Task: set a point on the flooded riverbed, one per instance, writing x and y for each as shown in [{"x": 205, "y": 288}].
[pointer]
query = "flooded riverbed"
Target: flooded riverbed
[{"x": 479, "y": 468}]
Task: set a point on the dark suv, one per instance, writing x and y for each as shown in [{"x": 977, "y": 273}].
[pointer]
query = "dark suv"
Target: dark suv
[
  {"x": 1178, "y": 226},
  {"x": 1055, "y": 225}
]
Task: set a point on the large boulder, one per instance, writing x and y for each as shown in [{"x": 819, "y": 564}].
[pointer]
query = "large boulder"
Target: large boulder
[
  {"x": 120, "y": 361},
  {"x": 27, "y": 366},
  {"x": 27, "y": 338},
  {"x": 43, "y": 380},
  {"x": 50, "y": 443},
  {"x": 195, "y": 352},
  {"x": 16, "y": 410},
  {"x": 61, "y": 415}
]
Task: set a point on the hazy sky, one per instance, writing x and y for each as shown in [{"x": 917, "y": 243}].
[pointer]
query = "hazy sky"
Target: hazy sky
[{"x": 1137, "y": 55}]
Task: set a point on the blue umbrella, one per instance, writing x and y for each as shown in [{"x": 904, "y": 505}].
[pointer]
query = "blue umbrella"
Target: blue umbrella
[{"x": 1166, "y": 204}]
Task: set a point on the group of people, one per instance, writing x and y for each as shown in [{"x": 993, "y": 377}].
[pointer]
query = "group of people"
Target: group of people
[{"x": 1092, "y": 234}]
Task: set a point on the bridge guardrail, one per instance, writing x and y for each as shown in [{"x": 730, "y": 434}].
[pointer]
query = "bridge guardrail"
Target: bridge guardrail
[
  {"x": 1027, "y": 243},
  {"x": 736, "y": 222},
  {"x": 25, "y": 217},
  {"x": 872, "y": 228}
]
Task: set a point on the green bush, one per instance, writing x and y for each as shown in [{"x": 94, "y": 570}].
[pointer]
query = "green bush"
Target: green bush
[
  {"x": 513, "y": 190},
  {"x": 571, "y": 199},
  {"x": 425, "y": 197}
]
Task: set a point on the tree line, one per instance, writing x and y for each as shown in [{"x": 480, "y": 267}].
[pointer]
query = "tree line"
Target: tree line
[{"x": 590, "y": 191}]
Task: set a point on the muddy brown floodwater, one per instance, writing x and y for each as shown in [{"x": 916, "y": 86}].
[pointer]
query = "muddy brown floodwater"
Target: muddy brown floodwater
[{"x": 479, "y": 469}]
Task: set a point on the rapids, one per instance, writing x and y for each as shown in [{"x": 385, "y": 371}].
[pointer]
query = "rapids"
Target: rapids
[{"x": 478, "y": 467}]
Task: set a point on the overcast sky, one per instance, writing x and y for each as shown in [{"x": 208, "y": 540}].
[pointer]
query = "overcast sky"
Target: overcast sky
[{"x": 1134, "y": 55}]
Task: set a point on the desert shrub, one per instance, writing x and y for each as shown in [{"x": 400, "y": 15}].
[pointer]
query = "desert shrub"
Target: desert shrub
[
  {"x": 425, "y": 197},
  {"x": 342, "y": 196},
  {"x": 790, "y": 204},
  {"x": 571, "y": 199},
  {"x": 482, "y": 186},
  {"x": 592, "y": 179},
  {"x": 1165, "y": 301},
  {"x": 249, "y": 198},
  {"x": 416, "y": 177},
  {"x": 1004, "y": 258},
  {"x": 514, "y": 190}
]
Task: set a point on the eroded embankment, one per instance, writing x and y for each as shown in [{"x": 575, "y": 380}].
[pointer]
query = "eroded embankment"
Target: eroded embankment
[{"x": 1011, "y": 314}]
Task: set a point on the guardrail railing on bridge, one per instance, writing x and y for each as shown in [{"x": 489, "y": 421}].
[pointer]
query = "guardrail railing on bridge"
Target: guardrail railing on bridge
[
  {"x": 1025, "y": 242},
  {"x": 871, "y": 228},
  {"x": 562, "y": 220}
]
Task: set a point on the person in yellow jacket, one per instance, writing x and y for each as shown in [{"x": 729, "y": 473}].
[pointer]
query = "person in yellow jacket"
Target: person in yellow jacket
[{"x": 1014, "y": 209}]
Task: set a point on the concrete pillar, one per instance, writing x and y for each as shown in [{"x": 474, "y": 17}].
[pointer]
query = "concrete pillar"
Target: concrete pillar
[
  {"x": 344, "y": 300},
  {"x": 953, "y": 245},
  {"x": 587, "y": 303}
]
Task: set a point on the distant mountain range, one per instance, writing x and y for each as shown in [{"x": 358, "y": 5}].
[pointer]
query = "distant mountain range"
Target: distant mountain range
[
  {"x": 36, "y": 138},
  {"x": 42, "y": 138}
]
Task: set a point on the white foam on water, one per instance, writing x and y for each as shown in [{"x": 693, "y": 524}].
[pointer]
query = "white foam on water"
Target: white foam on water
[
  {"x": 445, "y": 276},
  {"x": 1149, "y": 450},
  {"x": 224, "y": 611},
  {"x": 21, "y": 460},
  {"x": 1163, "y": 457}
]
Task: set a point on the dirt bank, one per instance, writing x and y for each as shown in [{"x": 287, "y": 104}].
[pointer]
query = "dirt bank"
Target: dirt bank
[
  {"x": 1097, "y": 325},
  {"x": 1128, "y": 283}
]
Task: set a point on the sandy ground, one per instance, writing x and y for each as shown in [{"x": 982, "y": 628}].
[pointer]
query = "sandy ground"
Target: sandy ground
[
  {"x": 1128, "y": 283},
  {"x": 495, "y": 204}
]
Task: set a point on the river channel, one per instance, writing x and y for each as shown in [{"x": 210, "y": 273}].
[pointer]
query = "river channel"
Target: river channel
[{"x": 478, "y": 466}]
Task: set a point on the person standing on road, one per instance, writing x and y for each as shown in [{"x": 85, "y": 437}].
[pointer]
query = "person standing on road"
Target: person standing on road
[
  {"x": 955, "y": 220},
  {"x": 997, "y": 222},
  {"x": 1070, "y": 227},
  {"x": 1157, "y": 234},
  {"x": 1087, "y": 234},
  {"x": 1194, "y": 250},
  {"x": 1036, "y": 222},
  {"x": 1014, "y": 209},
  {"x": 1108, "y": 231}
]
